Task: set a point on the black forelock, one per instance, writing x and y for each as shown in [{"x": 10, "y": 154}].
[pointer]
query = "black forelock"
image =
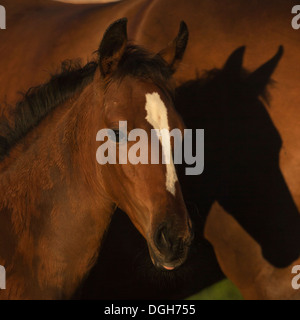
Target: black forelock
[{"x": 139, "y": 63}]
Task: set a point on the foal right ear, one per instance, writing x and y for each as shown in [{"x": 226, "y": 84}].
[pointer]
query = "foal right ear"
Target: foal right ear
[
  {"x": 112, "y": 47},
  {"x": 174, "y": 52}
]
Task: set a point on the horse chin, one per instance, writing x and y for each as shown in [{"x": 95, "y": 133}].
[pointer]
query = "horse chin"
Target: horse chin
[{"x": 162, "y": 265}]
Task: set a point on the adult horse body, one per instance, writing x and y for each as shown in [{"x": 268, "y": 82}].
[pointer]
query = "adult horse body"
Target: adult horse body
[
  {"x": 56, "y": 202},
  {"x": 216, "y": 29}
]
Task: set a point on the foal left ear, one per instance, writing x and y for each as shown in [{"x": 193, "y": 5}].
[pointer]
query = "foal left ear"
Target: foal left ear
[
  {"x": 174, "y": 52},
  {"x": 112, "y": 47}
]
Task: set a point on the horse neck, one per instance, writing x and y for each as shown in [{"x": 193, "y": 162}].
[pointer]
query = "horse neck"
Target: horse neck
[{"x": 51, "y": 206}]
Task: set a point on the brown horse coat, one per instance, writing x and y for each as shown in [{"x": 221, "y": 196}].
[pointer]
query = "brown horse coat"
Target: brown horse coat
[{"x": 215, "y": 31}]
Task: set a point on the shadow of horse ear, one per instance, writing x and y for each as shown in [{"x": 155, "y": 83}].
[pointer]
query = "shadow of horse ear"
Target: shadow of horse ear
[
  {"x": 234, "y": 64},
  {"x": 259, "y": 79}
]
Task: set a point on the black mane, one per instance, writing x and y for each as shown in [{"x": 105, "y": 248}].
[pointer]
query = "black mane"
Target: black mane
[
  {"x": 72, "y": 78},
  {"x": 40, "y": 100}
]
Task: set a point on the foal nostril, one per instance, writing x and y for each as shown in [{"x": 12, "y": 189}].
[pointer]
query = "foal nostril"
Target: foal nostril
[
  {"x": 167, "y": 242},
  {"x": 161, "y": 238},
  {"x": 171, "y": 247}
]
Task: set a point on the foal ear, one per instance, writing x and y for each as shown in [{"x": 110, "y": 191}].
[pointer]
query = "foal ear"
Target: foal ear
[
  {"x": 234, "y": 64},
  {"x": 174, "y": 52},
  {"x": 112, "y": 47},
  {"x": 259, "y": 79}
]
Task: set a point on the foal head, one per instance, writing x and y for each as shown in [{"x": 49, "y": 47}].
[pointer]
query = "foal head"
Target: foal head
[{"x": 137, "y": 89}]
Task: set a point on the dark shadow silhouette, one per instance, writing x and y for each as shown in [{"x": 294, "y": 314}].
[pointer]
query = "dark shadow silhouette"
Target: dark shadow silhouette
[
  {"x": 242, "y": 149},
  {"x": 241, "y": 172}
]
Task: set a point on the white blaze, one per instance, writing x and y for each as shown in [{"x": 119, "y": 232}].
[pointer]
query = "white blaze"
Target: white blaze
[{"x": 157, "y": 116}]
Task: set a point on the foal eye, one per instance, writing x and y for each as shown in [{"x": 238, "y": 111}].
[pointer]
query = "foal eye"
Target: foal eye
[{"x": 117, "y": 137}]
